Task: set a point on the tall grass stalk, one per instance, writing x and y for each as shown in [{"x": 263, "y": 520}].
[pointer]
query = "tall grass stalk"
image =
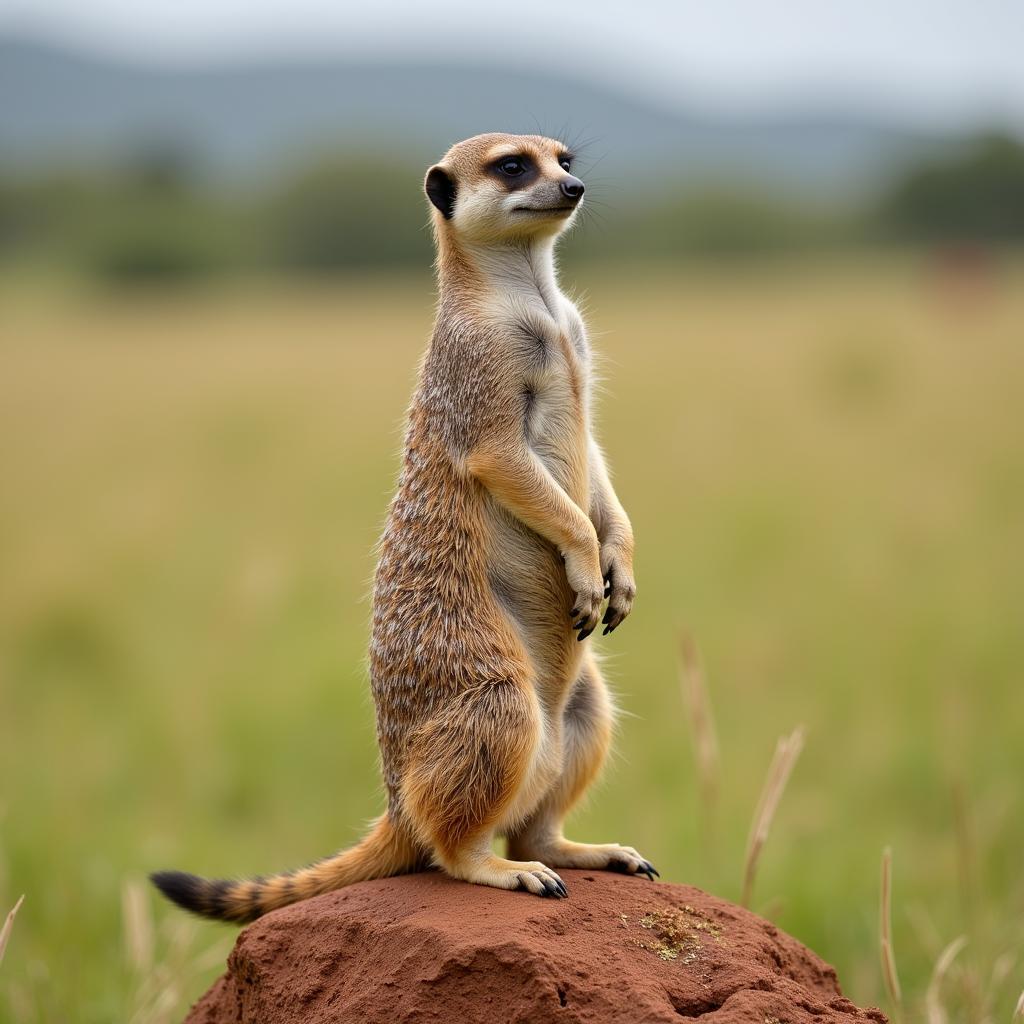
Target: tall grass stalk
[
  {"x": 935, "y": 1011},
  {"x": 162, "y": 960},
  {"x": 1001, "y": 969},
  {"x": 889, "y": 975},
  {"x": 1005, "y": 963},
  {"x": 5, "y": 932},
  {"x": 702, "y": 730},
  {"x": 137, "y": 923},
  {"x": 786, "y": 753},
  {"x": 1018, "y": 1013}
]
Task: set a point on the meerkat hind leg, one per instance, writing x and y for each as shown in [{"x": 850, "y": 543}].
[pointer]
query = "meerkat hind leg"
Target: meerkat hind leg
[
  {"x": 478, "y": 864},
  {"x": 587, "y": 729},
  {"x": 466, "y": 768}
]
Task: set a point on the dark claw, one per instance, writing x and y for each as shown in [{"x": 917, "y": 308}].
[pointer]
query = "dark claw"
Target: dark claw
[
  {"x": 580, "y": 624},
  {"x": 550, "y": 889},
  {"x": 609, "y": 614},
  {"x": 611, "y": 627},
  {"x": 584, "y": 633},
  {"x": 651, "y": 869},
  {"x": 562, "y": 889}
]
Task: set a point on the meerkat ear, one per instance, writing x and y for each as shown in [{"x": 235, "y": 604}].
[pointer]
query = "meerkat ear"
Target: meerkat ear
[{"x": 440, "y": 190}]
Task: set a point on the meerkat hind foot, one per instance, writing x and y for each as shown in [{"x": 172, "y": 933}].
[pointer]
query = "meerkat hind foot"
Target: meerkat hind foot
[
  {"x": 530, "y": 876},
  {"x": 598, "y": 856}
]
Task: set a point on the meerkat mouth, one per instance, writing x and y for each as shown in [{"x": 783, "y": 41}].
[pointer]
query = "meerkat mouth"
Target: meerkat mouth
[{"x": 544, "y": 209}]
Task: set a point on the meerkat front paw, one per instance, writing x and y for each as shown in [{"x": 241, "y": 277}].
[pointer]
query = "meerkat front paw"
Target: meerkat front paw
[
  {"x": 619, "y": 586},
  {"x": 583, "y": 572}
]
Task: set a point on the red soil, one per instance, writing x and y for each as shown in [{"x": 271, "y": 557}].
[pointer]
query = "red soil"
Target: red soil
[{"x": 425, "y": 949}]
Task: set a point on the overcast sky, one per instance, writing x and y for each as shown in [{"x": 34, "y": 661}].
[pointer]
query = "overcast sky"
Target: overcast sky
[{"x": 946, "y": 60}]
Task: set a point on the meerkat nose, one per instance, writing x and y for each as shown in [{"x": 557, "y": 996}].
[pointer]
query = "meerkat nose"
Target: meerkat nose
[{"x": 572, "y": 188}]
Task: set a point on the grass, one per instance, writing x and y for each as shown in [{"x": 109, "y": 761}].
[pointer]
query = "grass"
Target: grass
[
  {"x": 936, "y": 1012},
  {"x": 702, "y": 730},
  {"x": 8, "y": 927},
  {"x": 787, "y": 751},
  {"x": 889, "y": 973},
  {"x": 825, "y": 468}
]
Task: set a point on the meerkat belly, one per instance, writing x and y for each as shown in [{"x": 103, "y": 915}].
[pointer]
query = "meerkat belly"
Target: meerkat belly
[
  {"x": 555, "y": 425},
  {"x": 527, "y": 572}
]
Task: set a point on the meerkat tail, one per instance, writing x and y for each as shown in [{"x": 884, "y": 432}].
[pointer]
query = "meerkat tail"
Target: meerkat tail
[{"x": 381, "y": 854}]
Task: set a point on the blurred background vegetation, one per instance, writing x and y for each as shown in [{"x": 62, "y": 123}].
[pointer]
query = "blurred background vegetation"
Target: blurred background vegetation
[
  {"x": 214, "y": 289},
  {"x": 152, "y": 221}
]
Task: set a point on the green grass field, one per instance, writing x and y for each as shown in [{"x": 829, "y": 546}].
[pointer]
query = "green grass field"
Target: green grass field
[{"x": 824, "y": 463}]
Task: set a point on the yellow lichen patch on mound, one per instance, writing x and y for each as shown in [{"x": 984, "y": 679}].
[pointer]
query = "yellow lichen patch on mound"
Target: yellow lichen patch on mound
[{"x": 677, "y": 933}]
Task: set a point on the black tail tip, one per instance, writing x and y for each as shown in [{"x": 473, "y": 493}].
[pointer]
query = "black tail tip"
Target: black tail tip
[{"x": 179, "y": 887}]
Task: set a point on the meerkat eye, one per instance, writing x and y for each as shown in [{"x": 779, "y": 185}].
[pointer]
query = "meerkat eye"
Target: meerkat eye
[
  {"x": 566, "y": 162},
  {"x": 512, "y": 166}
]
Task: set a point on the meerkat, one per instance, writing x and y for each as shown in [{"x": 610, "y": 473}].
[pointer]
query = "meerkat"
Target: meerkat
[{"x": 502, "y": 542}]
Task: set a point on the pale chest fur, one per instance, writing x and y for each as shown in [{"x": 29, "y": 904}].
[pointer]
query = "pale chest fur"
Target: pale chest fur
[{"x": 556, "y": 378}]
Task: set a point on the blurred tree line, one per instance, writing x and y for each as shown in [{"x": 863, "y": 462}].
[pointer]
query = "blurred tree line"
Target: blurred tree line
[{"x": 153, "y": 221}]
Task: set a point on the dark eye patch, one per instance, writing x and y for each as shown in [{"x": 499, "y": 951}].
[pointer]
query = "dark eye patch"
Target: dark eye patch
[
  {"x": 514, "y": 171},
  {"x": 513, "y": 166}
]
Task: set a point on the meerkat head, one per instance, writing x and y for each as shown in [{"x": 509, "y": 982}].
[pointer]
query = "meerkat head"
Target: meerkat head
[{"x": 504, "y": 188}]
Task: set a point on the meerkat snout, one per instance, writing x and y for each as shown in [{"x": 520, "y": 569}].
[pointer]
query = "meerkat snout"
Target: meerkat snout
[{"x": 572, "y": 188}]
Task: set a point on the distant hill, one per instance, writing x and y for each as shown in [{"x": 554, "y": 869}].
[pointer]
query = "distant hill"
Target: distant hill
[{"x": 245, "y": 120}]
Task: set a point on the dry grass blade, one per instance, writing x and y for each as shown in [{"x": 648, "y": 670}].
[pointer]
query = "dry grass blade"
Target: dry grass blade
[
  {"x": 786, "y": 753},
  {"x": 889, "y": 975},
  {"x": 138, "y": 925},
  {"x": 1018, "y": 1013},
  {"x": 1001, "y": 970},
  {"x": 702, "y": 726},
  {"x": 936, "y": 1012},
  {"x": 5, "y": 932},
  {"x": 157, "y": 996}
]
